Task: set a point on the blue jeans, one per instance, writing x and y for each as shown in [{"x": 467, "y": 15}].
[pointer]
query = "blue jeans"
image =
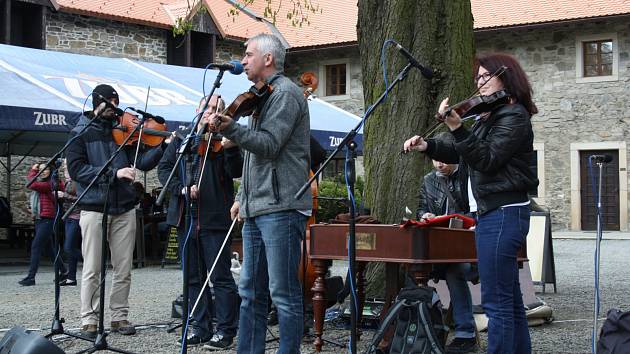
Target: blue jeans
[
  {"x": 43, "y": 242},
  {"x": 500, "y": 233},
  {"x": 203, "y": 250},
  {"x": 271, "y": 255},
  {"x": 72, "y": 246},
  {"x": 457, "y": 276}
]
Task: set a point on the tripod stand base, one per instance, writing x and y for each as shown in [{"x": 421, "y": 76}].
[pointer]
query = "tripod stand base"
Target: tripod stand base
[{"x": 100, "y": 343}]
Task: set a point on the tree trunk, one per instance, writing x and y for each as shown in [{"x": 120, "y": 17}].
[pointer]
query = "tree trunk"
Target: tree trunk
[{"x": 439, "y": 37}]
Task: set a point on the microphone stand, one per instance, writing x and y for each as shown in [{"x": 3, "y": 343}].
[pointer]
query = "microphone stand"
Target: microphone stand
[
  {"x": 185, "y": 149},
  {"x": 348, "y": 141},
  {"x": 598, "y": 240},
  {"x": 100, "y": 343},
  {"x": 57, "y": 323}
]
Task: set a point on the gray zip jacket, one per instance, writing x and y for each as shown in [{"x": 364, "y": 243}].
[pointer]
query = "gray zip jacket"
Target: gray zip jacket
[{"x": 277, "y": 154}]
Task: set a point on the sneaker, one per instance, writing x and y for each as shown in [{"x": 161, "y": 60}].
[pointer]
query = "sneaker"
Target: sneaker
[
  {"x": 68, "y": 282},
  {"x": 27, "y": 281},
  {"x": 219, "y": 342},
  {"x": 462, "y": 345},
  {"x": 194, "y": 339},
  {"x": 89, "y": 331},
  {"x": 123, "y": 327}
]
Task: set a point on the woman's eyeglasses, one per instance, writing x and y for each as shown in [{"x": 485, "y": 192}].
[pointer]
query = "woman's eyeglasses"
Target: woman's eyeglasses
[{"x": 484, "y": 76}]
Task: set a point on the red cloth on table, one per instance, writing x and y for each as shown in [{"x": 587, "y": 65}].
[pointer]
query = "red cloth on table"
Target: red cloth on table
[{"x": 441, "y": 221}]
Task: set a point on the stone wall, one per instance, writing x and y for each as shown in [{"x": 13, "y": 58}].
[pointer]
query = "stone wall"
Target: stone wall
[
  {"x": 298, "y": 63},
  {"x": 227, "y": 50},
  {"x": 570, "y": 112},
  {"x": 106, "y": 38}
]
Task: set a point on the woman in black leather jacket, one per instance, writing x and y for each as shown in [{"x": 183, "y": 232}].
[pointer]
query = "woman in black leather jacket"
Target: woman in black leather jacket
[{"x": 497, "y": 152}]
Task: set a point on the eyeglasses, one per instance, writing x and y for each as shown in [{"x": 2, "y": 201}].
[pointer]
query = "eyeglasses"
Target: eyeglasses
[{"x": 484, "y": 76}]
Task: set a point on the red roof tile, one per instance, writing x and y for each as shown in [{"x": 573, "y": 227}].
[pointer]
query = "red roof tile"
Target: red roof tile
[
  {"x": 336, "y": 22},
  {"x": 505, "y": 13}
]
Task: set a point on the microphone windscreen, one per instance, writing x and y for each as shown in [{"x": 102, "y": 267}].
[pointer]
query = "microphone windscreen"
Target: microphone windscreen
[{"x": 238, "y": 67}]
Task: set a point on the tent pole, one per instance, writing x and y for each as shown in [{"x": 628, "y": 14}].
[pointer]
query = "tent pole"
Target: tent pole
[{"x": 8, "y": 172}]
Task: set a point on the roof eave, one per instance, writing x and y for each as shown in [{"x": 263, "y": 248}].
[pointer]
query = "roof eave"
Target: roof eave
[
  {"x": 115, "y": 18},
  {"x": 547, "y": 23}
]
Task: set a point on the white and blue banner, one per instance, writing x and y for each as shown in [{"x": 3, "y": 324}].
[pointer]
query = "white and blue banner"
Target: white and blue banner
[{"x": 44, "y": 92}]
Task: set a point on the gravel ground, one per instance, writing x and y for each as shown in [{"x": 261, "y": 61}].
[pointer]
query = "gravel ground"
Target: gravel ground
[{"x": 154, "y": 288}]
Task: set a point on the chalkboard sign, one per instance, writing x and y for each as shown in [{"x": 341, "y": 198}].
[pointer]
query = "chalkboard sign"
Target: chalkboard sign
[
  {"x": 540, "y": 250},
  {"x": 171, "y": 255}
]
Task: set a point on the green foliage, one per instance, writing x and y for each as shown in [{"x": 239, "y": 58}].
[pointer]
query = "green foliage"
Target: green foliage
[
  {"x": 182, "y": 26},
  {"x": 336, "y": 188}
]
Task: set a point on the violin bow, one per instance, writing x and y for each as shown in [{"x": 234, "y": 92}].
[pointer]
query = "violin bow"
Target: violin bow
[
  {"x": 135, "y": 159},
  {"x": 440, "y": 117},
  {"x": 208, "y": 147}
]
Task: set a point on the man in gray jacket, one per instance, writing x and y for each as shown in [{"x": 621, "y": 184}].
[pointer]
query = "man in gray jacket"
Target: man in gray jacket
[{"x": 276, "y": 145}]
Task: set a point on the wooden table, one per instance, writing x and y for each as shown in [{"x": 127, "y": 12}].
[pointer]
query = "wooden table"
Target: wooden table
[{"x": 416, "y": 248}]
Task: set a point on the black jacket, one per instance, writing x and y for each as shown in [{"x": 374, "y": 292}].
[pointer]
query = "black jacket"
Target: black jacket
[
  {"x": 498, "y": 153},
  {"x": 433, "y": 197},
  {"x": 87, "y": 155},
  {"x": 216, "y": 194}
]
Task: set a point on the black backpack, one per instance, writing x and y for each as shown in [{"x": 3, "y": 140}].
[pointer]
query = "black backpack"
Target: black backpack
[
  {"x": 614, "y": 337},
  {"x": 416, "y": 317}
]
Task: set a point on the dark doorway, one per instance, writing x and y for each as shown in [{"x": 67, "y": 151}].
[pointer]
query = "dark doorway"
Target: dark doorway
[{"x": 610, "y": 191}]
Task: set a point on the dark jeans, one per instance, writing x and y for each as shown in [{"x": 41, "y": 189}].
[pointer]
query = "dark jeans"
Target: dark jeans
[
  {"x": 72, "y": 246},
  {"x": 43, "y": 242},
  {"x": 203, "y": 249},
  {"x": 500, "y": 233},
  {"x": 271, "y": 255}
]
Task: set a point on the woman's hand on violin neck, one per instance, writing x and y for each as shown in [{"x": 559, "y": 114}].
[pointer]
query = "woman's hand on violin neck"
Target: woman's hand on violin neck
[
  {"x": 218, "y": 122},
  {"x": 127, "y": 173},
  {"x": 416, "y": 143}
]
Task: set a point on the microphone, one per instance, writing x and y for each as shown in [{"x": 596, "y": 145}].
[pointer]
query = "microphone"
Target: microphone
[
  {"x": 234, "y": 67},
  {"x": 119, "y": 112},
  {"x": 601, "y": 158},
  {"x": 426, "y": 72},
  {"x": 158, "y": 119}
]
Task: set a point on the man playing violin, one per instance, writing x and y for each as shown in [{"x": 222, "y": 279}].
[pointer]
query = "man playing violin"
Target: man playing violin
[
  {"x": 211, "y": 196},
  {"x": 85, "y": 157},
  {"x": 496, "y": 152},
  {"x": 276, "y": 166}
]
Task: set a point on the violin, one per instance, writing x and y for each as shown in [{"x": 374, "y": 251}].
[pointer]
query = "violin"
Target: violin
[
  {"x": 153, "y": 133},
  {"x": 248, "y": 102},
  {"x": 215, "y": 145},
  {"x": 476, "y": 105}
]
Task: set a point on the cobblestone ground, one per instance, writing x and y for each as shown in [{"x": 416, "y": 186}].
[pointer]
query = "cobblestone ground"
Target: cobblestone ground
[{"x": 154, "y": 288}]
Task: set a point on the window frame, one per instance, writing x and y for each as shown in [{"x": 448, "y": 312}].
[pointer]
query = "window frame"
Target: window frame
[
  {"x": 321, "y": 89},
  {"x": 579, "y": 62}
]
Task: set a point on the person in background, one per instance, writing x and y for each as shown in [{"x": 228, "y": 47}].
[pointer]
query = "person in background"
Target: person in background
[
  {"x": 72, "y": 243},
  {"x": 45, "y": 209},
  {"x": 443, "y": 192}
]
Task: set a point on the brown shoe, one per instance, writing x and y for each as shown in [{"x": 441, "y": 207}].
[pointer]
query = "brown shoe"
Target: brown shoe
[
  {"x": 89, "y": 331},
  {"x": 123, "y": 327}
]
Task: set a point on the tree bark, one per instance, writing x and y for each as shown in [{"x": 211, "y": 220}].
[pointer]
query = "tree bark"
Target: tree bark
[{"x": 439, "y": 37}]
